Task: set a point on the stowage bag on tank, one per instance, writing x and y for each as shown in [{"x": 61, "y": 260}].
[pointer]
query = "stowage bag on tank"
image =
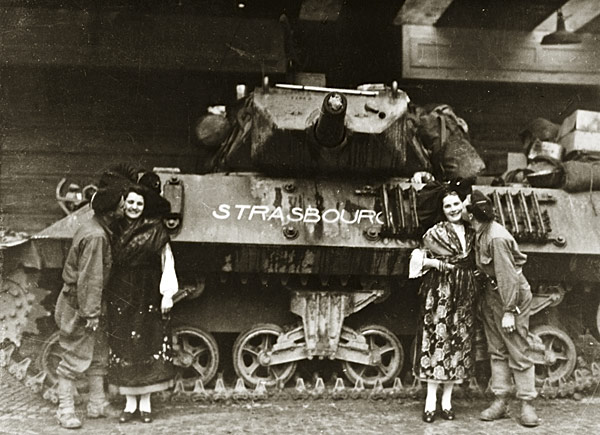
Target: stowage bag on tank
[{"x": 579, "y": 175}]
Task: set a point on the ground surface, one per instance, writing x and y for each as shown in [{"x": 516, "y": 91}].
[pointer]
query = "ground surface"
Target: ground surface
[{"x": 22, "y": 412}]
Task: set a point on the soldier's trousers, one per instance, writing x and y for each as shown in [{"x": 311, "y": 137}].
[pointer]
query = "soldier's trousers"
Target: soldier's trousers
[
  {"x": 82, "y": 351},
  {"x": 510, "y": 353}
]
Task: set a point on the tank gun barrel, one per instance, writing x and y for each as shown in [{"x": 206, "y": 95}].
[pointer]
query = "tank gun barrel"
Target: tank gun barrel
[{"x": 330, "y": 129}]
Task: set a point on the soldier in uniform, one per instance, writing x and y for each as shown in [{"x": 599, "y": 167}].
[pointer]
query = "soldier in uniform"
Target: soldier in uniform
[
  {"x": 506, "y": 309},
  {"x": 79, "y": 308}
]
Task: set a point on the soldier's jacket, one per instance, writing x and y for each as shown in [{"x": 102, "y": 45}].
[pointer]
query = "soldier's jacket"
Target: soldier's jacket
[
  {"x": 499, "y": 257},
  {"x": 87, "y": 268}
]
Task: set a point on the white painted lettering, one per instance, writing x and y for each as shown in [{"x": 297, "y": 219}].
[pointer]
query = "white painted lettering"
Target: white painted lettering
[
  {"x": 277, "y": 214},
  {"x": 297, "y": 212},
  {"x": 366, "y": 214},
  {"x": 311, "y": 215},
  {"x": 223, "y": 212},
  {"x": 241, "y": 208},
  {"x": 328, "y": 212},
  {"x": 259, "y": 210},
  {"x": 353, "y": 221}
]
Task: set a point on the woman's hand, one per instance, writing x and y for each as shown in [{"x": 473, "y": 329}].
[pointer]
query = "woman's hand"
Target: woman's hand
[
  {"x": 166, "y": 304},
  {"x": 442, "y": 266}
]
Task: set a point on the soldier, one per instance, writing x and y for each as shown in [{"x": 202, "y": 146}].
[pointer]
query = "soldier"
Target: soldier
[
  {"x": 506, "y": 309},
  {"x": 79, "y": 309}
]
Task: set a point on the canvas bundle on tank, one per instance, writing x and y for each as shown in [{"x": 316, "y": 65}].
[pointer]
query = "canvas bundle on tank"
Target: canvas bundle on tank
[{"x": 581, "y": 176}]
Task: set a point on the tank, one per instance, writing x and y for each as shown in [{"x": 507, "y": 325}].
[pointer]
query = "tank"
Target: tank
[{"x": 296, "y": 244}]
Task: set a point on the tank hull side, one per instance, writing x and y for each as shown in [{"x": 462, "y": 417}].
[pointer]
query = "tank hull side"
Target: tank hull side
[{"x": 232, "y": 306}]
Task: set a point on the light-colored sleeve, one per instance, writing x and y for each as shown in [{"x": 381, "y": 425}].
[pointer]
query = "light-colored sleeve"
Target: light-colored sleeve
[
  {"x": 416, "y": 265},
  {"x": 168, "y": 281}
]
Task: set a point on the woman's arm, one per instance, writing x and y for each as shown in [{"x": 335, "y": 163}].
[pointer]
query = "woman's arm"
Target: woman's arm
[{"x": 420, "y": 263}]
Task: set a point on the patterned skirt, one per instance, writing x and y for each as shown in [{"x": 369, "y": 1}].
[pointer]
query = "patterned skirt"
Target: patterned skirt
[{"x": 444, "y": 350}]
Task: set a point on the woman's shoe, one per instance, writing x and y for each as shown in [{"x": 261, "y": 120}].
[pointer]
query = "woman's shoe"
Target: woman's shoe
[
  {"x": 126, "y": 417},
  {"x": 428, "y": 416},
  {"x": 448, "y": 414},
  {"x": 145, "y": 417}
]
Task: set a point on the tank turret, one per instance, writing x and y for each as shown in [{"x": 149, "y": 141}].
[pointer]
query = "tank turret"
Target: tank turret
[
  {"x": 295, "y": 130},
  {"x": 302, "y": 130}
]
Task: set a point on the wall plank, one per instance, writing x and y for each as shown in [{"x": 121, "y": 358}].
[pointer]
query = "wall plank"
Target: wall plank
[
  {"x": 63, "y": 37},
  {"x": 443, "y": 53}
]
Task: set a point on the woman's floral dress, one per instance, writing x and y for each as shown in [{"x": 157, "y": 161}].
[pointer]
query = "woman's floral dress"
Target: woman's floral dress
[{"x": 444, "y": 350}]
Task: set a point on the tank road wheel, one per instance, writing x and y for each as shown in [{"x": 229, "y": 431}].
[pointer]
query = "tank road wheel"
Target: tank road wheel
[
  {"x": 250, "y": 359},
  {"x": 386, "y": 345},
  {"x": 49, "y": 358},
  {"x": 195, "y": 354},
  {"x": 560, "y": 354}
]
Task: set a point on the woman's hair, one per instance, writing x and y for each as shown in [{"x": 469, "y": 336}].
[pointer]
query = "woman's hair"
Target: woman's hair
[
  {"x": 450, "y": 193},
  {"x": 139, "y": 189}
]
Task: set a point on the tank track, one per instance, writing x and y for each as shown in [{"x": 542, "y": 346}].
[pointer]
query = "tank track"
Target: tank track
[
  {"x": 22, "y": 309},
  {"x": 585, "y": 380}
]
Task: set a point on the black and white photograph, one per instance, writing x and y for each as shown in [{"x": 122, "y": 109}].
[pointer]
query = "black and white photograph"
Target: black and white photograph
[{"x": 299, "y": 217}]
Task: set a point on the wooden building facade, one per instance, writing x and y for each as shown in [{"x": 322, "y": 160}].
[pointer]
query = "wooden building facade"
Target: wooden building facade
[{"x": 84, "y": 86}]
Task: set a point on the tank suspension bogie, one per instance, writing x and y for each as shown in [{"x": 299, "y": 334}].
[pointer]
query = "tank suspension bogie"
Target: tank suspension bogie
[
  {"x": 330, "y": 127},
  {"x": 322, "y": 335}
]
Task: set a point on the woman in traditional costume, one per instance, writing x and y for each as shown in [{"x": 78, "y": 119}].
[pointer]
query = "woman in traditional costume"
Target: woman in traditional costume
[
  {"x": 444, "y": 352},
  {"x": 139, "y": 298}
]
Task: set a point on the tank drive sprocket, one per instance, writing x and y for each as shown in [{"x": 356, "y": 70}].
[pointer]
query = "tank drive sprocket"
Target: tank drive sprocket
[{"x": 20, "y": 306}]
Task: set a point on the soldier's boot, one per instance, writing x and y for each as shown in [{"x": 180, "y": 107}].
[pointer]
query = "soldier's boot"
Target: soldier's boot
[
  {"x": 66, "y": 404},
  {"x": 525, "y": 383},
  {"x": 529, "y": 417},
  {"x": 97, "y": 406},
  {"x": 497, "y": 410}
]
